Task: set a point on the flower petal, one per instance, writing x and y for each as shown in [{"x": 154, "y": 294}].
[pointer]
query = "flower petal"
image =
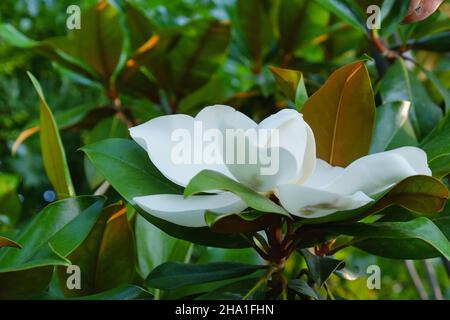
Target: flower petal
[
  {"x": 308, "y": 202},
  {"x": 189, "y": 212},
  {"x": 295, "y": 136},
  {"x": 174, "y": 148},
  {"x": 377, "y": 172}
]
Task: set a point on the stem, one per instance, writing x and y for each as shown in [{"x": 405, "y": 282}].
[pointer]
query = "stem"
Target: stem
[
  {"x": 432, "y": 279},
  {"x": 416, "y": 279}
]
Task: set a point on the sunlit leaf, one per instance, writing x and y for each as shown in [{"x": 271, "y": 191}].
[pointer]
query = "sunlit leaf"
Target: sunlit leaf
[
  {"x": 292, "y": 84},
  {"x": 52, "y": 149},
  {"x": 421, "y": 9},
  {"x": 341, "y": 114}
]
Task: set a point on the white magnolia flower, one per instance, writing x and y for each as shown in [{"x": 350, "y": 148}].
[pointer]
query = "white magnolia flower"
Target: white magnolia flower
[{"x": 305, "y": 186}]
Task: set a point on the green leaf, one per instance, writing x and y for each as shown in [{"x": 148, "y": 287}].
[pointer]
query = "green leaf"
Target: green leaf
[
  {"x": 235, "y": 291},
  {"x": 49, "y": 237},
  {"x": 52, "y": 149},
  {"x": 10, "y": 204},
  {"x": 173, "y": 275},
  {"x": 99, "y": 42},
  {"x": 444, "y": 92},
  {"x": 300, "y": 286},
  {"x": 292, "y": 85},
  {"x": 155, "y": 247},
  {"x": 127, "y": 292},
  {"x": 389, "y": 119},
  {"x": 106, "y": 257},
  {"x": 374, "y": 237},
  {"x": 341, "y": 114},
  {"x": 438, "y": 42},
  {"x": 140, "y": 28},
  {"x": 437, "y": 148},
  {"x": 347, "y": 10},
  {"x": 123, "y": 161},
  {"x": 399, "y": 84},
  {"x": 200, "y": 51},
  {"x": 392, "y": 13},
  {"x": 239, "y": 223},
  {"x": 300, "y": 22},
  {"x": 208, "y": 180},
  {"x": 254, "y": 20},
  {"x": 321, "y": 268},
  {"x": 58, "y": 49}
]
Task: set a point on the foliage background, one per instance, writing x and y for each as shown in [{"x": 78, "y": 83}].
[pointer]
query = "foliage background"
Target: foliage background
[{"x": 323, "y": 41}]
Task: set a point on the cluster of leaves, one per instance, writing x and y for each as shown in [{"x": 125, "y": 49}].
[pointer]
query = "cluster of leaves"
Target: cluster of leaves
[{"x": 148, "y": 67}]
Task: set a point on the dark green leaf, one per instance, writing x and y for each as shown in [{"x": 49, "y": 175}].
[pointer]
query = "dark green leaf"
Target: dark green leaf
[
  {"x": 300, "y": 286},
  {"x": 173, "y": 275},
  {"x": 347, "y": 10},
  {"x": 321, "y": 268}
]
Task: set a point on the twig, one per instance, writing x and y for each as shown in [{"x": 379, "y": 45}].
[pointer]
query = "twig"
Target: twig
[
  {"x": 102, "y": 189},
  {"x": 416, "y": 279},
  {"x": 433, "y": 280}
]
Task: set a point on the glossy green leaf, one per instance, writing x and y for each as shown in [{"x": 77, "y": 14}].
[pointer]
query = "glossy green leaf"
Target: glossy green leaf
[
  {"x": 155, "y": 247},
  {"x": 421, "y": 228},
  {"x": 208, "y": 180},
  {"x": 321, "y": 268},
  {"x": 438, "y": 42},
  {"x": 121, "y": 161},
  {"x": 140, "y": 28},
  {"x": 389, "y": 119},
  {"x": 300, "y": 286},
  {"x": 236, "y": 291},
  {"x": 399, "y": 84},
  {"x": 172, "y": 275},
  {"x": 292, "y": 84},
  {"x": 392, "y": 13},
  {"x": 254, "y": 20},
  {"x": 106, "y": 257},
  {"x": 99, "y": 42},
  {"x": 437, "y": 147},
  {"x": 299, "y": 23},
  {"x": 341, "y": 114},
  {"x": 49, "y": 237},
  {"x": 346, "y": 10},
  {"x": 52, "y": 149},
  {"x": 200, "y": 51}
]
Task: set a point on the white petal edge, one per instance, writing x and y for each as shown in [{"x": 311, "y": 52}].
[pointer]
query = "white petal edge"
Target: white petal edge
[
  {"x": 378, "y": 172},
  {"x": 308, "y": 202},
  {"x": 189, "y": 212}
]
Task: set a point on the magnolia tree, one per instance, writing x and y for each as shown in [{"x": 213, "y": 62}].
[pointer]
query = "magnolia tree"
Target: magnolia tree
[{"x": 187, "y": 197}]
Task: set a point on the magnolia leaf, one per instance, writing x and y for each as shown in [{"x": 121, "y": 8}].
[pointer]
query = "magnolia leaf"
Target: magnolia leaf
[
  {"x": 399, "y": 84},
  {"x": 255, "y": 26},
  {"x": 405, "y": 235},
  {"x": 236, "y": 291},
  {"x": 300, "y": 286},
  {"x": 121, "y": 161},
  {"x": 348, "y": 11},
  {"x": 389, "y": 119},
  {"x": 420, "y": 10},
  {"x": 49, "y": 237},
  {"x": 99, "y": 42},
  {"x": 52, "y": 149},
  {"x": 173, "y": 275},
  {"x": 140, "y": 27},
  {"x": 239, "y": 223},
  {"x": 106, "y": 257},
  {"x": 292, "y": 85},
  {"x": 341, "y": 114},
  {"x": 321, "y": 268},
  {"x": 208, "y": 180}
]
